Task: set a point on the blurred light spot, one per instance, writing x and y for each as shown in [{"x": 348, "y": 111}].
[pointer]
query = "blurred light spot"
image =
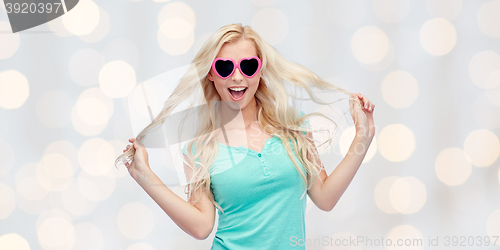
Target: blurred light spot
[
  {"x": 96, "y": 156},
  {"x": 396, "y": 142},
  {"x": 408, "y": 195},
  {"x": 84, "y": 127},
  {"x": 135, "y": 220},
  {"x": 482, "y": 66},
  {"x": 10, "y": 42},
  {"x": 346, "y": 140},
  {"x": 58, "y": 28},
  {"x": 92, "y": 111},
  {"x": 346, "y": 14},
  {"x": 391, "y": 11},
  {"x": 55, "y": 172},
  {"x": 483, "y": 109},
  {"x": 96, "y": 188},
  {"x": 56, "y": 232},
  {"x": 101, "y": 30},
  {"x": 448, "y": 9},
  {"x": 493, "y": 80},
  {"x": 453, "y": 166},
  {"x": 310, "y": 45},
  {"x": 140, "y": 246},
  {"x": 488, "y": 18},
  {"x": 177, "y": 10},
  {"x": 384, "y": 63},
  {"x": 82, "y": 19},
  {"x": 88, "y": 236},
  {"x": 117, "y": 79},
  {"x": 400, "y": 89},
  {"x": 8, "y": 158},
  {"x": 121, "y": 49},
  {"x": 493, "y": 225},
  {"x": 158, "y": 1},
  {"x": 75, "y": 202},
  {"x": 175, "y": 36},
  {"x": 408, "y": 236},
  {"x": 84, "y": 67},
  {"x": 483, "y": 147},
  {"x": 271, "y": 24},
  {"x": 381, "y": 194},
  {"x": 54, "y": 108},
  {"x": 369, "y": 44},
  {"x": 7, "y": 202},
  {"x": 438, "y": 36},
  {"x": 13, "y": 241},
  {"x": 14, "y": 89}
]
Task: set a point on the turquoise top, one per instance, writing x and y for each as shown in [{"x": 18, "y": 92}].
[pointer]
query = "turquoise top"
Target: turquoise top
[{"x": 260, "y": 193}]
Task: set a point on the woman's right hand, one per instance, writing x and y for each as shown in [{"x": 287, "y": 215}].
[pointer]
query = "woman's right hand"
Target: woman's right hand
[{"x": 140, "y": 164}]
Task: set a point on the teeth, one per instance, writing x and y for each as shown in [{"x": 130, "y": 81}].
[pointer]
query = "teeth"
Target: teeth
[{"x": 237, "y": 89}]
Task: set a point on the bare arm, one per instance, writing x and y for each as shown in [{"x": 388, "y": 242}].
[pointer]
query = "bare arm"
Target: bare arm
[
  {"x": 334, "y": 186},
  {"x": 197, "y": 220}
]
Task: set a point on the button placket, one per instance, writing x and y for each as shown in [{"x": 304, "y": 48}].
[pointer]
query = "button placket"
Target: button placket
[{"x": 262, "y": 161}]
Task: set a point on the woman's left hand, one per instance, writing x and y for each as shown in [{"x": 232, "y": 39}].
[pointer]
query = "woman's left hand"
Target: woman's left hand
[{"x": 362, "y": 115}]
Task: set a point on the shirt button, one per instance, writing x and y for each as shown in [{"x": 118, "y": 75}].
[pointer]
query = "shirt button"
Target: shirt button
[
  {"x": 260, "y": 155},
  {"x": 268, "y": 142},
  {"x": 265, "y": 168}
]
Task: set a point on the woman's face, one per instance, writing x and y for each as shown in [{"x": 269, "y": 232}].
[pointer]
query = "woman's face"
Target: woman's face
[{"x": 236, "y": 50}]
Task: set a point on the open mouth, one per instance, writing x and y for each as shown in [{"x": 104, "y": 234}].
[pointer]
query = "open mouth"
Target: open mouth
[{"x": 237, "y": 95}]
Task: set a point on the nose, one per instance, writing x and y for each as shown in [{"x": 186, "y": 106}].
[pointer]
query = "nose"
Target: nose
[{"x": 237, "y": 76}]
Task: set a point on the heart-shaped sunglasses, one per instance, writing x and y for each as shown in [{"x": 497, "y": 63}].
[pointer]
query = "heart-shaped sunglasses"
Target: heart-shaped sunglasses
[{"x": 225, "y": 67}]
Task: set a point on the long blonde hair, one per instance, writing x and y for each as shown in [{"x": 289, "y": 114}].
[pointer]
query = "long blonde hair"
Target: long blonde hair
[{"x": 275, "y": 115}]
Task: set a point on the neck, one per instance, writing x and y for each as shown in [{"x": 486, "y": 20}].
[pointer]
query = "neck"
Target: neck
[{"x": 233, "y": 118}]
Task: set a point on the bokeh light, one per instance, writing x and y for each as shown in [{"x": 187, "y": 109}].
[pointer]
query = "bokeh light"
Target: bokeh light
[
  {"x": 83, "y": 19},
  {"x": 396, "y": 142},
  {"x": 96, "y": 156},
  {"x": 408, "y": 195},
  {"x": 10, "y": 42},
  {"x": 453, "y": 166},
  {"x": 56, "y": 232},
  {"x": 400, "y": 89},
  {"x": 271, "y": 24},
  {"x": 117, "y": 79},
  {"x": 409, "y": 236},
  {"x": 382, "y": 194},
  {"x": 488, "y": 18},
  {"x": 14, "y": 89},
  {"x": 96, "y": 188},
  {"x": 483, "y": 147},
  {"x": 88, "y": 236},
  {"x": 481, "y": 66},
  {"x": 369, "y": 44},
  {"x": 175, "y": 36},
  {"x": 13, "y": 241},
  {"x": 438, "y": 36},
  {"x": 493, "y": 225},
  {"x": 55, "y": 172}
]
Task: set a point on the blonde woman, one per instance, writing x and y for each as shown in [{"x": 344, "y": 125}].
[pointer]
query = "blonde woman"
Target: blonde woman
[{"x": 261, "y": 199}]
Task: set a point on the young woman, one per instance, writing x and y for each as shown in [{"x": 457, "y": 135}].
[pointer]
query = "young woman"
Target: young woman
[{"x": 260, "y": 198}]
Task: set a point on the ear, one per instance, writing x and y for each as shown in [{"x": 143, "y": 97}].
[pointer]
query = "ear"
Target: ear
[{"x": 209, "y": 76}]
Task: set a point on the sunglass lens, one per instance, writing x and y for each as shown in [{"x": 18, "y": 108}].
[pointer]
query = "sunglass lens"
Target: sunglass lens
[
  {"x": 224, "y": 68},
  {"x": 249, "y": 66}
]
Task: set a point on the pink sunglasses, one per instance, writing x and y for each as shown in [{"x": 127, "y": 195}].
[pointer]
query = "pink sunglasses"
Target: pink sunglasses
[{"x": 225, "y": 67}]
